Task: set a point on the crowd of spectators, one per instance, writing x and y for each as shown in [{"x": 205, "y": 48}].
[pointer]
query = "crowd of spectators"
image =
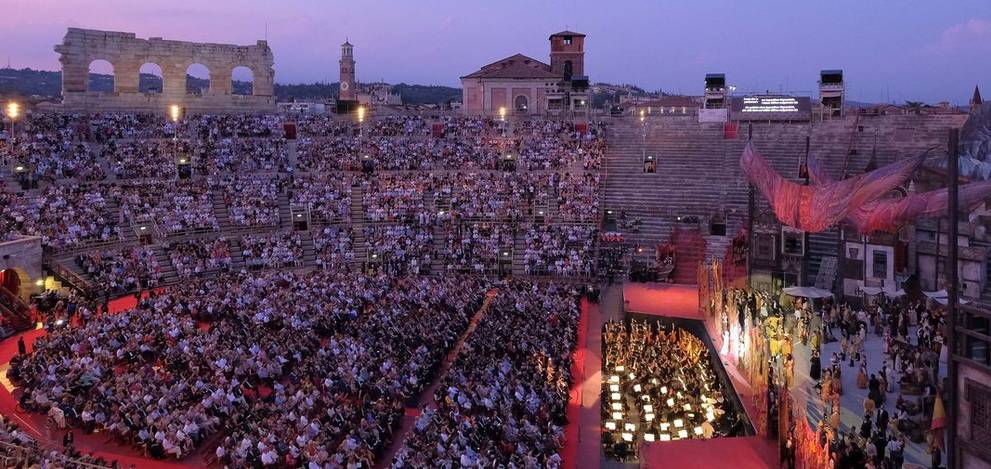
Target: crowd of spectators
[
  {"x": 564, "y": 250},
  {"x": 399, "y": 249},
  {"x": 282, "y": 249},
  {"x": 327, "y": 197},
  {"x": 251, "y": 200},
  {"x": 245, "y": 155},
  {"x": 294, "y": 369},
  {"x": 578, "y": 196},
  {"x": 503, "y": 402},
  {"x": 121, "y": 270},
  {"x": 175, "y": 206},
  {"x": 397, "y": 198},
  {"x": 476, "y": 248},
  {"x": 193, "y": 258},
  {"x": 493, "y": 195},
  {"x": 62, "y": 215},
  {"x": 18, "y": 449},
  {"x": 335, "y": 248},
  {"x": 143, "y": 159}
]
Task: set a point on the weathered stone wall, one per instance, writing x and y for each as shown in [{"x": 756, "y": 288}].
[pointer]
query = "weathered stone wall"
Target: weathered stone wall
[{"x": 127, "y": 53}]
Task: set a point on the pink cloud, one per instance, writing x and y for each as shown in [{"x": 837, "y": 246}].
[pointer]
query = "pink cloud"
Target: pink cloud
[{"x": 974, "y": 32}]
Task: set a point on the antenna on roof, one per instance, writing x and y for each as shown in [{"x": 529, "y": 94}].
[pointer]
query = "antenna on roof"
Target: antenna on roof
[{"x": 266, "y": 30}]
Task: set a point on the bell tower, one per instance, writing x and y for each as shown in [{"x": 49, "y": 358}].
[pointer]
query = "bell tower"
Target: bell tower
[
  {"x": 568, "y": 54},
  {"x": 348, "y": 90}
]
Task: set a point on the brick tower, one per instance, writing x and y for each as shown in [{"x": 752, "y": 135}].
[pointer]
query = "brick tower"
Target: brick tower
[
  {"x": 568, "y": 54},
  {"x": 349, "y": 90}
]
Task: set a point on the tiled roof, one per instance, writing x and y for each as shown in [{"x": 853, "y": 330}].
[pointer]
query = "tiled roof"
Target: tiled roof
[
  {"x": 515, "y": 66},
  {"x": 567, "y": 33}
]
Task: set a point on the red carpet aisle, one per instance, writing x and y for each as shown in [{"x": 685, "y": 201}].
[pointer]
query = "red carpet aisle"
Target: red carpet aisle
[
  {"x": 569, "y": 454},
  {"x": 662, "y": 299},
  {"x": 95, "y": 443},
  {"x": 427, "y": 395}
]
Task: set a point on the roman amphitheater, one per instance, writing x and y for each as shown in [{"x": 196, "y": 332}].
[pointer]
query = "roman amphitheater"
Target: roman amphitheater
[{"x": 207, "y": 280}]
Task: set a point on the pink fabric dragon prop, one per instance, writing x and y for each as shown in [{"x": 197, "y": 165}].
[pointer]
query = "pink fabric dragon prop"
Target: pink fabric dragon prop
[
  {"x": 858, "y": 199},
  {"x": 888, "y": 215}
]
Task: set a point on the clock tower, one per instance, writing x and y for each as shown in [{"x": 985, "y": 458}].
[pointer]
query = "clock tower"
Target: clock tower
[{"x": 349, "y": 91}]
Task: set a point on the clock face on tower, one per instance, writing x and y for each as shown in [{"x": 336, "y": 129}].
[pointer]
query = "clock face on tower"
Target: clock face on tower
[{"x": 344, "y": 85}]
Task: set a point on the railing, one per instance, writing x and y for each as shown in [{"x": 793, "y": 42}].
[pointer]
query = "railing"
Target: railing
[{"x": 73, "y": 279}]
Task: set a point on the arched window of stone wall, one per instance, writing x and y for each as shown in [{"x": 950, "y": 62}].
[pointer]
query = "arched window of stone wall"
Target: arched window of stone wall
[
  {"x": 197, "y": 79},
  {"x": 150, "y": 79},
  {"x": 521, "y": 103},
  {"x": 242, "y": 80},
  {"x": 101, "y": 76}
]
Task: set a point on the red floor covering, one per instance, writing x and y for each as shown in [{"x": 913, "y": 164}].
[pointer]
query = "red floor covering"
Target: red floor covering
[
  {"x": 569, "y": 453},
  {"x": 738, "y": 453},
  {"x": 662, "y": 299},
  {"x": 95, "y": 443}
]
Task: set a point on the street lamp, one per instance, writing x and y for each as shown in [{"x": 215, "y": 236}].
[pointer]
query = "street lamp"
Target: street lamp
[
  {"x": 502, "y": 113},
  {"x": 643, "y": 142},
  {"x": 13, "y": 110},
  {"x": 174, "y": 113}
]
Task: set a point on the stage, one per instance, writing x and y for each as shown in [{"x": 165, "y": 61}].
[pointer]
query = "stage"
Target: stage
[
  {"x": 743, "y": 452},
  {"x": 662, "y": 299},
  {"x": 680, "y": 304}
]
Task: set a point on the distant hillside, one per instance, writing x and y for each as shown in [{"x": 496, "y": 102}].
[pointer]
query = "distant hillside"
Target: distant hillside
[{"x": 27, "y": 82}]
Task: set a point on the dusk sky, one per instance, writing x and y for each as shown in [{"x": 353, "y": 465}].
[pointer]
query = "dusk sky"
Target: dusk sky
[{"x": 890, "y": 50}]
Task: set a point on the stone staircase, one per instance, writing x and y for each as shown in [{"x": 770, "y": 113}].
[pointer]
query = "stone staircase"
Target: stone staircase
[
  {"x": 358, "y": 216},
  {"x": 169, "y": 273},
  {"x": 821, "y": 245},
  {"x": 285, "y": 214},
  {"x": 698, "y": 172},
  {"x": 690, "y": 247},
  {"x": 221, "y": 213},
  {"x": 309, "y": 250},
  {"x": 17, "y": 312},
  {"x": 519, "y": 247}
]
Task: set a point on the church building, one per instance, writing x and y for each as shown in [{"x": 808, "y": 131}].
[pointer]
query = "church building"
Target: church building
[{"x": 524, "y": 85}]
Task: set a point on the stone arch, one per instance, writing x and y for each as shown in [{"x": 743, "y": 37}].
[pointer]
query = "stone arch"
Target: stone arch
[
  {"x": 128, "y": 53},
  {"x": 96, "y": 79},
  {"x": 14, "y": 281},
  {"x": 242, "y": 80},
  {"x": 195, "y": 77},
  {"x": 151, "y": 78}
]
